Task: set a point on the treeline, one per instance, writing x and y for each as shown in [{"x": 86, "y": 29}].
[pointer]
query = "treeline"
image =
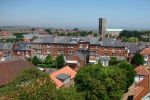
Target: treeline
[
  {"x": 134, "y": 36},
  {"x": 92, "y": 82},
  {"x": 32, "y": 84},
  {"x": 18, "y": 38},
  {"x": 76, "y": 33},
  {"x": 48, "y": 62}
]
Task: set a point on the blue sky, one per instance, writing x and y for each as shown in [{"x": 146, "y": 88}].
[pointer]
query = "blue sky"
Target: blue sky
[{"x": 127, "y": 14}]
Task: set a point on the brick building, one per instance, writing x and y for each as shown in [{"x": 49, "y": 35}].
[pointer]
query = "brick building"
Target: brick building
[
  {"x": 6, "y": 49},
  {"x": 22, "y": 50},
  {"x": 79, "y": 50}
]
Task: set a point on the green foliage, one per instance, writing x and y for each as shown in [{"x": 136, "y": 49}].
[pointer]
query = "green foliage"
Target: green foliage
[
  {"x": 60, "y": 61},
  {"x": 129, "y": 34},
  {"x": 132, "y": 39},
  {"x": 128, "y": 71},
  {"x": 38, "y": 86},
  {"x": 49, "y": 31},
  {"x": 137, "y": 60},
  {"x": 49, "y": 61},
  {"x": 28, "y": 75},
  {"x": 101, "y": 83},
  {"x": 113, "y": 61},
  {"x": 35, "y": 60},
  {"x": 124, "y": 39},
  {"x": 19, "y": 36},
  {"x": 134, "y": 36},
  {"x": 71, "y": 94},
  {"x": 95, "y": 34}
]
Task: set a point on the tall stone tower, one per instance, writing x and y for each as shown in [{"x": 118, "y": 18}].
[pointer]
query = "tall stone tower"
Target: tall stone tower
[{"x": 102, "y": 27}]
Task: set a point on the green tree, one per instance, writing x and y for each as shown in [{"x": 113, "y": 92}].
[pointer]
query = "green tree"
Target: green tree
[
  {"x": 49, "y": 61},
  {"x": 30, "y": 74},
  {"x": 19, "y": 36},
  {"x": 128, "y": 71},
  {"x": 60, "y": 61},
  {"x": 124, "y": 39},
  {"x": 35, "y": 60},
  {"x": 37, "y": 86},
  {"x": 132, "y": 39},
  {"x": 113, "y": 61},
  {"x": 137, "y": 60},
  {"x": 101, "y": 83},
  {"x": 95, "y": 34}
]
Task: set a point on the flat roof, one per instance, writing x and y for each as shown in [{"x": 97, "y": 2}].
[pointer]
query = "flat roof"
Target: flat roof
[{"x": 115, "y": 30}]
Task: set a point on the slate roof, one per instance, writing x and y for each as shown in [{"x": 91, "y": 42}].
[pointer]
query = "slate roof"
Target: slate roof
[
  {"x": 6, "y": 46},
  {"x": 22, "y": 46},
  {"x": 9, "y": 70},
  {"x": 112, "y": 42},
  {"x": 62, "y": 76},
  {"x": 133, "y": 48},
  {"x": 74, "y": 40}
]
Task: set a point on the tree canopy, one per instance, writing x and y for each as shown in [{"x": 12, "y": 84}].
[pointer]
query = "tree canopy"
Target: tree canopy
[
  {"x": 101, "y": 83},
  {"x": 60, "y": 61},
  {"x": 19, "y": 36},
  {"x": 113, "y": 61},
  {"x": 137, "y": 60},
  {"x": 35, "y": 60},
  {"x": 49, "y": 61},
  {"x": 37, "y": 86}
]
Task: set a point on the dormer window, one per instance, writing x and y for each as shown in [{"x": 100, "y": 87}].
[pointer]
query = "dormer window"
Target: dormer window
[{"x": 138, "y": 78}]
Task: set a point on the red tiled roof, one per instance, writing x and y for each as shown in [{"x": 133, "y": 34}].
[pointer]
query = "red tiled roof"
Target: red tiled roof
[
  {"x": 141, "y": 70},
  {"x": 142, "y": 88},
  {"x": 65, "y": 70},
  {"x": 137, "y": 90},
  {"x": 145, "y": 51},
  {"x": 9, "y": 69}
]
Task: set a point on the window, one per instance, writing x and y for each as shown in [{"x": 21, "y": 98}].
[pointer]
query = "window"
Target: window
[
  {"x": 48, "y": 51},
  {"x": 105, "y": 54},
  {"x": 18, "y": 52},
  {"x": 138, "y": 78},
  {"x": 48, "y": 45},
  {"x": 105, "y": 48},
  {"x": 80, "y": 45}
]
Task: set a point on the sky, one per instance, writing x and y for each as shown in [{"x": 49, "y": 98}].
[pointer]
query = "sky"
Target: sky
[{"x": 126, "y": 14}]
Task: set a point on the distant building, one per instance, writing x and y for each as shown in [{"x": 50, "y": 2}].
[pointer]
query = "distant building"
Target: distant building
[
  {"x": 6, "y": 49},
  {"x": 102, "y": 27},
  {"x": 22, "y": 50},
  {"x": 113, "y": 32},
  {"x": 63, "y": 77}
]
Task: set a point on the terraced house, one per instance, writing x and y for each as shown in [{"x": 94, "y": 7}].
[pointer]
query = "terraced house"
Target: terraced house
[{"x": 79, "y": 50}]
